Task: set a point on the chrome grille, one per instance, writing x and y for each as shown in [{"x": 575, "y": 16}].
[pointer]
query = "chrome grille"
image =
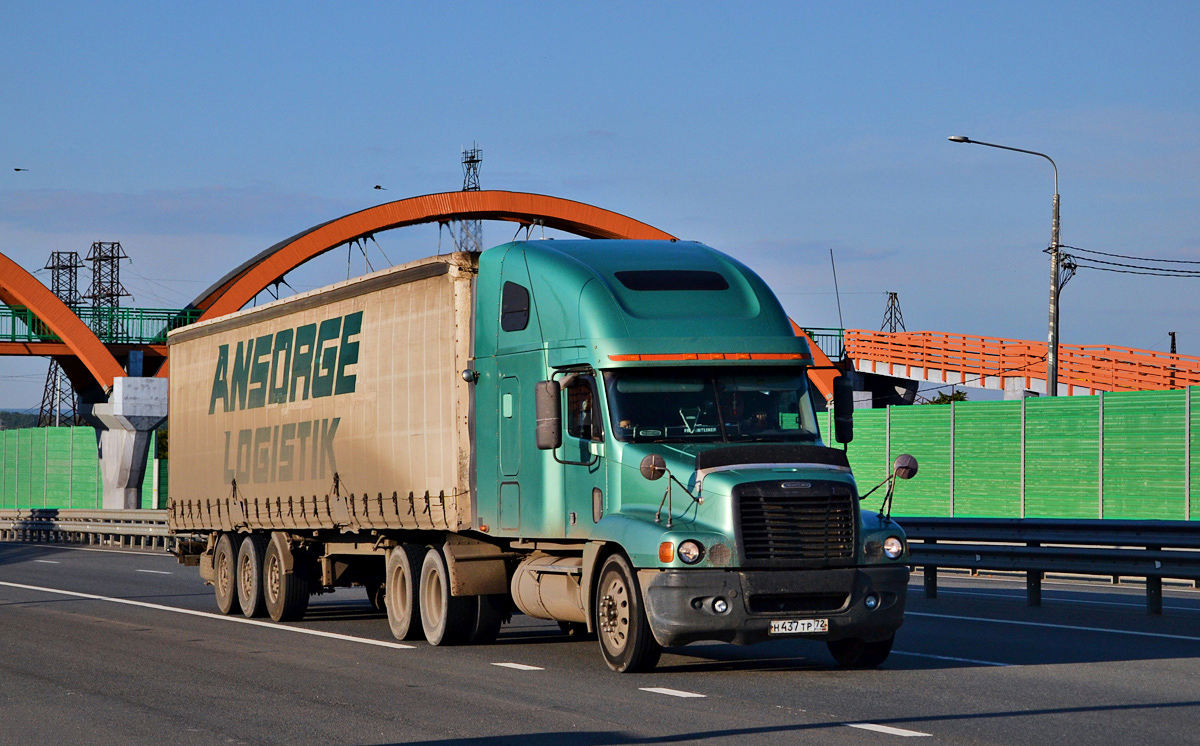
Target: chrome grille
[{"x": 802, "y": 522}]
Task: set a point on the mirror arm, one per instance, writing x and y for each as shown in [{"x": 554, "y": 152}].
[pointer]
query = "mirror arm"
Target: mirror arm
[{"x": 594, "y": 460}]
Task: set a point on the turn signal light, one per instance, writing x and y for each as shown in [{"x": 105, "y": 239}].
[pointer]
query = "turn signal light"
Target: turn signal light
[{"x": 666, "y": 552}]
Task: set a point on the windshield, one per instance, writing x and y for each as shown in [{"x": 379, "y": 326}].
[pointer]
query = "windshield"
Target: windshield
[{"x": 710, "y": 405}]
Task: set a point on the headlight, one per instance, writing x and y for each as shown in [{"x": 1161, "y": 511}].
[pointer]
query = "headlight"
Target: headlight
[
  {"x": 893, "y": 547},
  {"x": 691, "y": 552}
]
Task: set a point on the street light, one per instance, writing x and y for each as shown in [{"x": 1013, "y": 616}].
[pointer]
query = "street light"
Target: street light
[{"x": 1052, "y": 346}]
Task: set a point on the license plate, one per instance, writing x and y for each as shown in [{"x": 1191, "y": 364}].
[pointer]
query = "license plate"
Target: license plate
[{"x": 799, "y": 626}]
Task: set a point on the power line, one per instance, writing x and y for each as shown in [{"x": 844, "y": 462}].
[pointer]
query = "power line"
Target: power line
[{"x": 1123, "y": 256}]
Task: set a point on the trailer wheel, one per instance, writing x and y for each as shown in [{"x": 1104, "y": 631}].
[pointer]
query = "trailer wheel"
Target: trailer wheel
[
  {"x": 401, "y": 591},
  {"x": 447, "y": 619},
  {"x": 488, "y": 618},
  {"x": 285, "y": 593},
  {"x": 626, "y": 642},
  {"x": 854, "y": 652},
  {"x": 250, "y": 575},
  {"x": 225, "y": 573}
]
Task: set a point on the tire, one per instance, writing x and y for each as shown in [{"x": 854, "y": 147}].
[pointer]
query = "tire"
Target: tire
[
  {"x": 225, "y": 573},
  {"x": 489, "y": 616},
  {"x": 401, "y": 591},
  {"x": 249, "y": 575},
  {"x": 448, "y": 620},
  {"x": 626, "y": 642},
  {"x": 285, "y": 593},
  {"x": 854, "y": 652}
]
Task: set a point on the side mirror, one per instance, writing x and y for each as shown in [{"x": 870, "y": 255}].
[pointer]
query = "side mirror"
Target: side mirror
[
  {"x": 653, "y": 467},
  {"x": 905, "y": 467},
  {"x": 843, "y": 409},
  {"x": 548, "y": 403}
]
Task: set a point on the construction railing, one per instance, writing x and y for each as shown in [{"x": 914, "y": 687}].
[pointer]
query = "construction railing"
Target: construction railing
[
  {"x": 129, "y": 529},
  {"x": 112, "y": 325},
  {"x": 1093, "y": 368},
  {"x": 831, "y": 340},
  {"x": 1150, "y": 549}
]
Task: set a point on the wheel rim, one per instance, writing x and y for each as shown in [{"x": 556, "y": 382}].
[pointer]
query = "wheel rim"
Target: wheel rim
[
  {"x": 614, "y": 613},
  {"x": 246, "y": 577},
  {"x": 272, "y": 578},
  {"x": 431, "y": 597},
  {"x": 399, "y": 594},
  {"x": 223, "y": 574}
]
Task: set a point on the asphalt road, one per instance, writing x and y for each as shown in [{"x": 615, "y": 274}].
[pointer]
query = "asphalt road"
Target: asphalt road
[{"x": 103, "y": 647}]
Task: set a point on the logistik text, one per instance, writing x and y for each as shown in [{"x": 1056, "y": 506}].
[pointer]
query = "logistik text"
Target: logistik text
[{"x": 290, "y": 365}]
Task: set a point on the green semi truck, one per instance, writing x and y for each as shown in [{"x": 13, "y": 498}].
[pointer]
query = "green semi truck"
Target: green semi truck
[{"x": 616, "y": 435}]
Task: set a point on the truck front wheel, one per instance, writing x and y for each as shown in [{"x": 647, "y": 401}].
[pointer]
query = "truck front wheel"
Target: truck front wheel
[
  {"x": 854, "y": 652},
  {"x": 448, "y": 620},
  {"x": 225, "y": 574},
  {"x": 626, "y": 641},
  {"x": 401, "y": 586}
]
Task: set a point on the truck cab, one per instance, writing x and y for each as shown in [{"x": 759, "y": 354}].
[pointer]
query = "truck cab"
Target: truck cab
[{"x": 645, "y": 428}]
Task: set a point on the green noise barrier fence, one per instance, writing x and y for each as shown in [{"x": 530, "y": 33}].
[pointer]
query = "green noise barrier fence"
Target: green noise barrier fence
[
  {"x": 58, "y": 467},
  {"x": 1125, "y": 455}
]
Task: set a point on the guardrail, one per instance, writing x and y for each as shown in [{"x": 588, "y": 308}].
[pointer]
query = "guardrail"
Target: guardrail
[
  {"x": 128, "y": 529},
  {"x": 111, "y": 325},
  {"x": 1150, "y": 549}
]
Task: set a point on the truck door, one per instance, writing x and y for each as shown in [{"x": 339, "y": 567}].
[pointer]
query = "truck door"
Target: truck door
[
  {"x": 510, "y": 453},
  {"x": 584, "y": 479}
]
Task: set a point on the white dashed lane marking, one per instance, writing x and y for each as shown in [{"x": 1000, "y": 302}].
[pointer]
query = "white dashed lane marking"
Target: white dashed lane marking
[
  {"x": 47, "y": 562},
  {"x": 670, "y": 692},
  {"x": 519, "y": 666},
  {"x": 155, "y": 572},
  {"x": 889, "y": 730},
  {"x": 209, "y": 615}
]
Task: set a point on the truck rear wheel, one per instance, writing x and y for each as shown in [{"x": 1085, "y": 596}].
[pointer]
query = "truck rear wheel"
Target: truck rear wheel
[
  {"x": 626, "y": 641},
  {"x": 447, "y": 619},
  {"x": 285, "y": 592},
  {"x": 401, "y": 590},
  {"x": 854, "y": 652},
  {"x": 249, "y": 575},
  {"x": 488, "y": 619},
  {"x": 225, "y": 573}
]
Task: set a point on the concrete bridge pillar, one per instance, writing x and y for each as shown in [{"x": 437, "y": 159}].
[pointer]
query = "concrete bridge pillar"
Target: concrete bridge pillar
[{"x": 123, "y": 425}]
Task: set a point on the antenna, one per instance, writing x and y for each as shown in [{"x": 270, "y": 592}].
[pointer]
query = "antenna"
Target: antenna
[
  {"x": 893, "y": 319},
  {"x": 470, "y": 232},
  {"x": 835, "y": 290}
]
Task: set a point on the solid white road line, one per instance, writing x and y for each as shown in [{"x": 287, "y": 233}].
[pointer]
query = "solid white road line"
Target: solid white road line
[
  {"x": 519, "y": 666},
  {"x": 209, "y": 615},
  {"x": 670, "y": 692},
  {"x": 1047, "y": 625},
  {"x": 950, "y": 658},
  {"x": 888, "y": 729},
  {"x": 47, "y": 562},
  {"x": 154, "y": 572},
  {"x": 64, "y": 547},
  {"x": 1018, "y": 595}
]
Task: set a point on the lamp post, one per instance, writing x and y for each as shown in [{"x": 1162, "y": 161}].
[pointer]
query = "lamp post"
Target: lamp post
[{"x": 1052, "y": 346}]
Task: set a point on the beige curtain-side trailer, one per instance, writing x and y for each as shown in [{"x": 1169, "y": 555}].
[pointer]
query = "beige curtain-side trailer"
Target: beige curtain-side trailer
[{"x": 340, "y": 408}]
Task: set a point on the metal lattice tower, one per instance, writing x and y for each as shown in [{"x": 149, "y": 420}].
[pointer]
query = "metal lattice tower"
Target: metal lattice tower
[
  {"x": 58, "y": 396},
  {"x": 106, "y": 290},
  {"x": 893, "y": 319},
  {"x": 470, "y": 232}
]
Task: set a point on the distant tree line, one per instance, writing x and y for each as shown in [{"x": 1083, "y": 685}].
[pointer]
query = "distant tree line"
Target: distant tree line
[{"x": 10, "y": 420}]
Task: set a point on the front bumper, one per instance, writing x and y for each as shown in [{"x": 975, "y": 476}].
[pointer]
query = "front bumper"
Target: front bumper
[{"x": 679, "y": 603}]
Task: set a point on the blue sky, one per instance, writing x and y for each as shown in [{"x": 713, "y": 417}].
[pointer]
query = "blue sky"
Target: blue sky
[{"x": 199, "y": 134}]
